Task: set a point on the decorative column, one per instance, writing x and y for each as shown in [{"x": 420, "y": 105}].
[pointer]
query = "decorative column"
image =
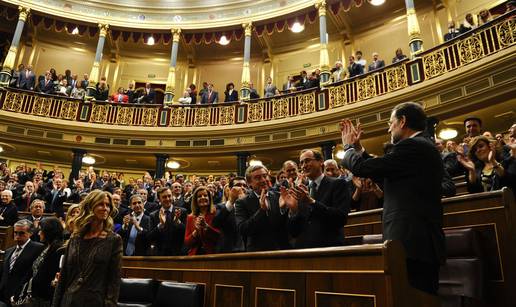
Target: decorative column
[
  {"x": 245, "y": 92},
  {"x": 324, "y": 58},
  {"x": 327, "y": 149},
  {"x": 242, "y": 162},
  {"x": 171, "y": 79},
  {"x": 415, "y": 40},
  {"x": 5, "y": 75},
  {"x": 95, "y": 70},
  {"x": 161, "y": 160},
  {"x": 78, "y": 154}
]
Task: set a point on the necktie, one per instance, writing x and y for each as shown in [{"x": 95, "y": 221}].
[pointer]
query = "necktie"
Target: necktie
[
  {"x": 27, "y": 206},
  {"x": 14, "y": 256},
  {"x": 313, "y": 189},
  {"x": 129, "y": 250}
]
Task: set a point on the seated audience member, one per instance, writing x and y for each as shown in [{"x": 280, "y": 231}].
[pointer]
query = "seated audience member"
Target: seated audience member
[
  {"x": 484, "y": 17},
  {"x": 27, "y": 79},
  {"x": 376, "y": 63},
  {"x": 253, "y": 92},
  {"x": 230, "y": 94},
  {"x": 18, "y": 260},
  {"x": 354, "y": 68},
  {"x": 468, "y": 24},
  {"x": 15, "y": 76},
  {"x": 47, "y": 85},
  {"x": 452, "y": 31},
  {"x": 85, "y": 82},
  {"x": 339, "y": 73},
  {"x": 320, "y": 211},
  {"x": 148, "y": 95},
  {"x": 484, "y": 172},
  {"x": 186, "y": 99},
  {"x": 37, "y": 207},
  {"x": 360, "y": 60},
  {"x": 210, "y": 96},
  {"x": 24, "y": 201},
  {"x": 63, "y": 88},
  {"x": 8, "y": 212},
  {"x": 201, "y": 235},
  {"x": 259, "y": 219},
  {"x": 399, "y": 56},
  {"x": 193, "y": 93},
  {"x": 269, "y": 89},
  {"x": 45, "y": 266},
  {"x": 73, "y": 211},
  {"x": 101, "y": 90},
  {"x": 367, "y": 194},
  {"x": 119, "y": 96},
  {"x": 135, "y": 228},
  {"x": 231, "y": 241},
  {"x": 167, "y": 229},
  {"x": 78, "y": 92},
  {"x": 129, "y": 92}
]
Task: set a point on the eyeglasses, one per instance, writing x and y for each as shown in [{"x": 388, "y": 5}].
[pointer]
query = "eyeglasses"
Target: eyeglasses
[
  {"x": 19, "y": 233},
  {"x": 136, "y": 202}
]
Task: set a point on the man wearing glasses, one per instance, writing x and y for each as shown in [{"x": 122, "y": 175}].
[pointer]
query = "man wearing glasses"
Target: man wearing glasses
[
  {"x": 17, "y": 265},
  {"x": 135, "y": 227}
]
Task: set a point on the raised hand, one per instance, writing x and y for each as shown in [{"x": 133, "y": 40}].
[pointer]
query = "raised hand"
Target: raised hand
[
  {"x": 349, "y": 134},
  {"x": 162, "y": 216},
  {"x": 357, "y": 182},
  {"x": 263, "y": 203},
  {"x": 466, "y": 162},
  {"x": 287, "y": 198}
]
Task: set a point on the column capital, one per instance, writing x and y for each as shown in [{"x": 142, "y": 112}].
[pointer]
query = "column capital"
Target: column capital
[
  {"x": 103, "y": 29},
  {"x": 24, "y": 12},
  {"x": 176, "y": 32},
  {"x": 320, "y": 5},
  {"x": 248, "y": 28}
]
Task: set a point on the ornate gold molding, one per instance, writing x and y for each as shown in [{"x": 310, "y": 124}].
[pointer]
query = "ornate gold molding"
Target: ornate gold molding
[
  {"x": 248, "y": 28},
  {"x": 103, "y": 29},
  {"x": 320, "y": 5},
  {"x": 176, "y": 34},
  {"x": 24, "y": 13}
]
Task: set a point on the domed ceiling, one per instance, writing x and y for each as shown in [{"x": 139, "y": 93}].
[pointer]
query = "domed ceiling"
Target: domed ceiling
[{"x": 164, "y": 14}]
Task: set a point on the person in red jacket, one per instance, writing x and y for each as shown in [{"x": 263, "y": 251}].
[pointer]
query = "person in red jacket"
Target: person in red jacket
[
  {"x": 200, "y": 236},
  {"x": 120, "y": 97}
]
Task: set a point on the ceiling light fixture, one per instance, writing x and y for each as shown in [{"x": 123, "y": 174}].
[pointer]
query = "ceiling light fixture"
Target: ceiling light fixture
[
  {"x": 377, "y": 2},
  {"x": 297, "y": 27},
  {"x": 254, "y": 162},
  {"x": 150, "y": 41},
  {"x": 89, "y": 160},
  {"x": 448, "y": 133},
  {"x": 1, "y": 149},
  {"x": 340, "y": 154},
  {"x": 173, "y": 164},
  {"x": 223, "y": 40},
  {"x": 75, "y": 31}
]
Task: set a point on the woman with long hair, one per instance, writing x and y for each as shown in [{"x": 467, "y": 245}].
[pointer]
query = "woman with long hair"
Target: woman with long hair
[
  {"x": 201, "y": 236},
  {"x": 71, "y": 214},
  {"x": 90, "y": 275},
  {"x": 45, "y": 267}
]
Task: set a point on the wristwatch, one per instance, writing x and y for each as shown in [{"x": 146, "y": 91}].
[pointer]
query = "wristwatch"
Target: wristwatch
[{"x": 348, "y": 146}]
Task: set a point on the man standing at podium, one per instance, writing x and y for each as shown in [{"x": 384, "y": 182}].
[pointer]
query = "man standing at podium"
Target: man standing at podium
[{"x": 412, "y": 174}]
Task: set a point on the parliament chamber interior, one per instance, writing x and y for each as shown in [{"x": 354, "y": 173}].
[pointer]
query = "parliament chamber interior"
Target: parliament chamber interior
[{"x": 304, "y": 153}]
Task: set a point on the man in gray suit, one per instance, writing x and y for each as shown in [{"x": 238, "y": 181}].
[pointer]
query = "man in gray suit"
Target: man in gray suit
[
  {"x": 377, "y": 63},
  {"x": 270, "y": 89}
]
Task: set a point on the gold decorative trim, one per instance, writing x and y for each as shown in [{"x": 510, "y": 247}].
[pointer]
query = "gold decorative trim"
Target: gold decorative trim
[
  {"x": 228, "y": 286},
  {"x": 258, "y": 271}
]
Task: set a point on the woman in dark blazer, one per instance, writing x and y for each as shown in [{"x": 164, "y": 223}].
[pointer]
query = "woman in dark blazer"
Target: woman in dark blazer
[
  {"x": 231, "y": 93},
  {"x": 46, "y": 266},
  {"x": 201, "y": 236}
]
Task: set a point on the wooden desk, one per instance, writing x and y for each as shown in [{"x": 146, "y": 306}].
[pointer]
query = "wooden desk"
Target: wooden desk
[
  {"x": 365, "y": 275},
  {"x": 492, "y": 214}
]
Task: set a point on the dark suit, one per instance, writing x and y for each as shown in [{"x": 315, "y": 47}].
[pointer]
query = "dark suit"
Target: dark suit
[
  {"x": 206, "y": 98},
  {"x": 322, "y": 224},
  {"x": 168, "y": 239},
  {"x": 141, "y": 244},
  {"x": 261, "y": 230},
  {"x": 148, "y": 97},
  {"x": 23, "y": 204},
  {"x": 451, "y": 35},
  {"x": 150, "y": 207},
  {"x": 254, "y": 94},
  {"x": 232, "y": 97},
  {"x": 376, "y": 65},
  {"x": 85, "y": 83},
  {"x": 54, "y": 201},
  {"x": 231, "y": 241},
  {"x": 355, "y": 69},
  {"x": 9, "y": 214},
  {"x": 27, "y": 82},
  {"x": 35, "y": 230},
  {"x": 412, "y": 212},
  {"x": 11, "y": 281},
  {"x": 46, "y": 86}
]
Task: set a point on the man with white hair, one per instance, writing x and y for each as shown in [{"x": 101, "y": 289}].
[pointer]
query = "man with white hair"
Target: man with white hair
[
  {"x": 331, "y": 168},
  {"x": 376, "y": 63},
  {"x": 8, "y": 212},
  {"x": 339, "y": 73}
]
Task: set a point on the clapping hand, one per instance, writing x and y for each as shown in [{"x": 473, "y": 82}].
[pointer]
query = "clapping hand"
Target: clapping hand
[
  {"x": 288, "y": 198},
  {"x": 263, "y": 203},
  {"x": 466, "y": 162},
  {"x": 162, "y": 216},
  {"x": 350, "y": 134}
]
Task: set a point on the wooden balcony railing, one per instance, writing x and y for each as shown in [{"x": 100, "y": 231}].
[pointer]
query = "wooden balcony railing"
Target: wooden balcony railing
[{"x": 470, "y": 47}]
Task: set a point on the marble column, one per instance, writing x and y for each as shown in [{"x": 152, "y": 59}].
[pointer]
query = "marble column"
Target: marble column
[
  {"x": 161, "y": 160},
  {"x": 246, "y": 73},
  {"x": 78, "y": 154},
  {"x": 170, "y": 90},
  {"x": 415, "y": 40},
  {"x": 95, "y": 70},
  {"x": 8, "y": 65},
  {"x": 242, "y": 162},
  {"x": 327, "y": 149},
  {"x": 324, "y": 58}
]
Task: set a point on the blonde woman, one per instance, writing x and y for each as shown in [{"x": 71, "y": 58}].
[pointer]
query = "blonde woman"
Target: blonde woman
[
  {"x": 200, "y": 236},
  {"x": 71, "y": 214},
  {"x": 90, "y": 275}
]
